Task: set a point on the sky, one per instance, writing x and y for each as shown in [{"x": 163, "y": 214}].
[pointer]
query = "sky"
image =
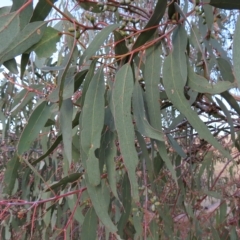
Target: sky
[{"x": 5, "y": 3}]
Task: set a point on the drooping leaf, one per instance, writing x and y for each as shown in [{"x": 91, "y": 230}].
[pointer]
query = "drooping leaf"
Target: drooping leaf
[
  {"x": 231, "y": 101},
  {"x": 174, "y": 79},
  {"x": 225, "y": 4},
  {"x": 208, "y": 13},
  {"x": 108, "y": 152},
  {"x": 140, "y": 118},
  {"x": 68, "y": 87},
  {"x": 25, "y": 15},
  {"x": 47, "y": 45},
  {"x": 66, "y": 75},
  {"x": 176, "y": 146},
  {"x": 87, "y": 81},
  {"x": 23, "y": 64},
  {"x": 66, "y": 113},
  {"x": 9, "y": 28},
  {"x": 152, "y": 81},
  {"x": 33, "y": 127},
  {"x": 92, "y": 124},
  {"x": 236, "y": 51},
  {"x": 156, "y": 17},
  {"x": 57, "y": 141},
  {"x": 225, "y": 69},
  {"x": 17, "y": 4},
  {"x": 229, "y": 118},
  {"x": 64, "y": 181},
  {"x": 200, "y": 84},
  {"x": 5, "y": 10},
  {"x": 121, "y": 109},
  {"x": 22, "y": 99},
  {"x": 30, "y": 35},
  {"x": 72, "y": 201},
  {"x": 144, "y": 155},
  {"x": 41, "y": 10},
  {"x": 100, "y": 197},
  {"x": 97, "y": 42},
  {"x": 89, "y": 227},
  {"x": 11, "y": 174},
  {"x": 126, "y": 200},
  {"x": 120, "y": 46},
  {"x": 11, "y": 65}
]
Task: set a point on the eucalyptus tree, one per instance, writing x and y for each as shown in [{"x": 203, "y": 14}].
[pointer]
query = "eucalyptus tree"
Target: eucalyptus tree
[{"x": 113, "y": 115}]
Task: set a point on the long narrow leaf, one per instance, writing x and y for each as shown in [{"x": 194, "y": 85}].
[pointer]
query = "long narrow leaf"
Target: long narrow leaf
[{"x": 121, "y": 108}]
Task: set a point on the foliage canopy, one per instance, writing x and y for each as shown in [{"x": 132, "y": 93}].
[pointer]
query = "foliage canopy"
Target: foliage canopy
[{"x": 113, "y": 116}]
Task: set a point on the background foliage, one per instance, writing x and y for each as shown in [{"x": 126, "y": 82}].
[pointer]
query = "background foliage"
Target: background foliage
[{"x": 114, "y": 115}]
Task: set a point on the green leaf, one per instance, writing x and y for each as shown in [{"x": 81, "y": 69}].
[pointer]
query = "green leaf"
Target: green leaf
[
  {"x": 236, "y": 51},
  {"x": 64, "y": 181},
  {"x": 96, "y": 43},
  {"x": 100, "y": 197},
  {"x": 225, "y": 4},
  {"x": 208, "y": 13},
  {"x": 9, "y": 28},
  {"x": 25, "y": 15},
  {"x": 152, "y": 80},
  {"x": 92, "y": 124},
  {"x": 121, "y": 109},
  {"x": 144, "y": 156},
  {"x": 176, "y": 146},
  {"x": 24, "y": 63},
  {"x": 30, "y": 35},
  {"x": 66, "y": 113},
  {"x": 200, "y": 84},
  {"x": 174, "y": 79},
  {"x": 11, "y": 174},
  {"x": 68, "y": 87},
  {"x": 11, "y": 65},
  {"x": 231, "y": 101},
  {"x": 229, "y": 118},
  {"x": 87, "y": 81},
  {"x": 72, "y": 201},
  {"x": 153, "y": 21},
  {"x": 127, "y": 204},
  {"x": 57, "y": 141},
  {"x": 89, "y": 227},
  {"x": 225, "y": 69},
  {"x": 22, "y": 98},
  {"x": 47, "y": 45},
  {"x": 120, "y": 46},
  {"x": 35, "y": 123},
  {"x": 17, "y": 4},
  {"x": 4, "y": 10},
  {"x": 143, "y": 125},
  {"x": 41, "y": 10},
  {"x": 108, "y": 151}
]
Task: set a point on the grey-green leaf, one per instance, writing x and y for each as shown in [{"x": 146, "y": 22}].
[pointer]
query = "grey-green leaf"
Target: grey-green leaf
[
  {"x": 140, "y": 118},
  {"x": 121, "y": 109},
  {"x": 97, "y": 42},
  {"x": 200, "y": 84},
  {"x": 92, "y": 124},
  {"x": 47, "y": 45},
  {"x": 236, "y": 51},
  {"x": 89, "y": 227},
  {"x": 174, "y": 82},
  {"x": 30, "y": 35},
  {"x": 66, "y": 112},
  {"x": 33, "y": 127}
]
